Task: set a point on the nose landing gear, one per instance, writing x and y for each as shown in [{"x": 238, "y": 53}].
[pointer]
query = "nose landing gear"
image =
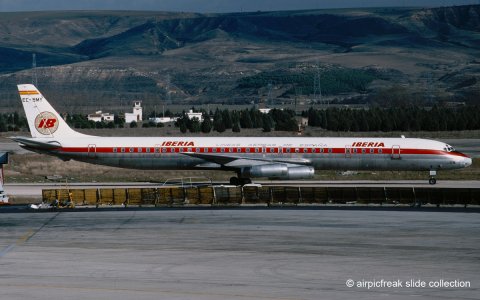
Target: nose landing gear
[{"x": 432, "y": 179}]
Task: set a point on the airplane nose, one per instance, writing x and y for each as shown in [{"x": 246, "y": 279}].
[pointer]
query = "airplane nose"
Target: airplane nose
[{"x": 468, "y": 161}]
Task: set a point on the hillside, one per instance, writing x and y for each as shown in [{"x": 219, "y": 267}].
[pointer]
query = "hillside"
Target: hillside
[{"x": 106, "y": 59}]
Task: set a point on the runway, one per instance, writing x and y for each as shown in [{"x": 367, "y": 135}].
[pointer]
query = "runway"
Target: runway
[{"x": 236, "y": 254}]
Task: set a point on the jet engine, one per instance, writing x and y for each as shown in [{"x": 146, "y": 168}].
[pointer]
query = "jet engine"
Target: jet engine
[
  {"x": 304, "y": 172},
  {"x": 279, "y": 171},
  {"x": 272, "y": 170}
]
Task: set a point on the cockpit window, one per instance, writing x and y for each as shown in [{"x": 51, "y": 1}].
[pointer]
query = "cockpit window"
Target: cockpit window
[{"x": 448, "y": 148}]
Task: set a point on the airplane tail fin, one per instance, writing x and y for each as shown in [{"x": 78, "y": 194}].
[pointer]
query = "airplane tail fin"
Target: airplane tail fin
[{"x": 43, "y": 119}]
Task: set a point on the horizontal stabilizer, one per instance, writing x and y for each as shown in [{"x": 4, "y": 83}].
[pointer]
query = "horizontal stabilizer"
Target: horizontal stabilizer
[{"x": 36, "y": 144}]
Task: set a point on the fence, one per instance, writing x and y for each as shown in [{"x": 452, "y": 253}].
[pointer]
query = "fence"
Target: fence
[{"x": 268, "y": 196}]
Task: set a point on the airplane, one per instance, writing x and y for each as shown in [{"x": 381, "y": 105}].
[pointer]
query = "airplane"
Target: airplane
[{"x": 284, "y": 158}]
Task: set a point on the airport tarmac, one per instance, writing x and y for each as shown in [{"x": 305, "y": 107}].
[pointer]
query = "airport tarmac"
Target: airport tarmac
[{"x": 238, "y": 254}]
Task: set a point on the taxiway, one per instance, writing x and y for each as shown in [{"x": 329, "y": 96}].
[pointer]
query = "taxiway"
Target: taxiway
[{"x": 235, "y": 254}]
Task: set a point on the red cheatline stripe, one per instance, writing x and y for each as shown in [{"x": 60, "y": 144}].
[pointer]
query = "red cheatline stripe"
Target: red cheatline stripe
[{"x": 257, "y": 150}]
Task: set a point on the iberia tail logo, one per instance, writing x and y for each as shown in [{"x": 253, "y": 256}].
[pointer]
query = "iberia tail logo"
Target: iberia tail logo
[{"x": 46, "y": 123}]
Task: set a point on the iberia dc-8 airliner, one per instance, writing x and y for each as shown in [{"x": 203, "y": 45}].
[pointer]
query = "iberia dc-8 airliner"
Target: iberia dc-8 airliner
[{"x": 249, "y": 157}]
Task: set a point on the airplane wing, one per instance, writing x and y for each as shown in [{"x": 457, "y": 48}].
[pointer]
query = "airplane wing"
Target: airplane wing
[
  {"x": 235, "y": 161},
  {"x": 35, "y": 144}
]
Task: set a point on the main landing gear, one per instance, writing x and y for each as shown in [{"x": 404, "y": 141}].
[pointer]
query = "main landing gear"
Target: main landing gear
[
  {"x": 432, "y": 179},
  {"x": 240, "y": 181}
]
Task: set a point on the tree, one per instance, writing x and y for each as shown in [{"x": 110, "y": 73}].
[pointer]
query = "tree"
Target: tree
[
  {"x": 16, "y": 119},
  {"x": 206, "y": 124},
  {"x": 3, "y": 126},
  {"x": 267, "y": 127},
  {"x": 267, "y": 123},
  {"x": 218, "y": 124},
  {"x": 119, "y": 120},
  {"x": 227, "y": 119},
  {"x": 194, "y": 125},
  {"x": 183, "y": 127},
  {"x": 236, "y": 127},
  {"x": 284, "y": 120},
  {"x": 245, "y": 120},
  {"x": 133, "y": 124},
  {"x": 182, "y": 122},
  {"x": 257, "y": 118}
]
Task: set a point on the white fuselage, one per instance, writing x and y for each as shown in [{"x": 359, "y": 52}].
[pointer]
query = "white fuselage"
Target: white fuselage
[{"x": 320, "y": 153}]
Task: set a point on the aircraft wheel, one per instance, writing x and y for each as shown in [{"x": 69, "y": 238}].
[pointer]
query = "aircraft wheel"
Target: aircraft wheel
[
  {"x": 432, "y": 181},
  {"x": 234, "y": 181},
  {"x": 244, "y": 181}
]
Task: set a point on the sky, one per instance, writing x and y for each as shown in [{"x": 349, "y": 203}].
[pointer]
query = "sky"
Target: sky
[{"x": 209, "y": 6}]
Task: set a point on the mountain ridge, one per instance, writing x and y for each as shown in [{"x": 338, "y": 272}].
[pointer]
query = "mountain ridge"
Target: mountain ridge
[{"x": 206, "y": 55}]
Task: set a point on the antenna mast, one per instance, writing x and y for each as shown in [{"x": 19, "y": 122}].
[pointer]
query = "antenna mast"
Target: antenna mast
[
  {"x": 34, "y": 70},
  {"x": 269, "y": 95},
  {"x": 317, "y": 87},
  {"x": 169, "y": 97}
]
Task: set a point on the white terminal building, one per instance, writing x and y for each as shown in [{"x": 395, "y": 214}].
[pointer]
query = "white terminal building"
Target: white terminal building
[
  {"x": 100, "y": 116},
  {"x": 136, "y": 115},
  {"x": 162, "y": 120},
  {"x": 264, "y": 110},
  {"x": 197, "y": 115}
]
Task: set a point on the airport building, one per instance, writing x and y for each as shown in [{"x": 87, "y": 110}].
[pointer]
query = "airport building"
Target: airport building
[
  {"x": 100, "y": 116},
  {"x": 197, "y": 115},
  {"x": 162, "y": 120},
  {"x": 136, "y": 115}
]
